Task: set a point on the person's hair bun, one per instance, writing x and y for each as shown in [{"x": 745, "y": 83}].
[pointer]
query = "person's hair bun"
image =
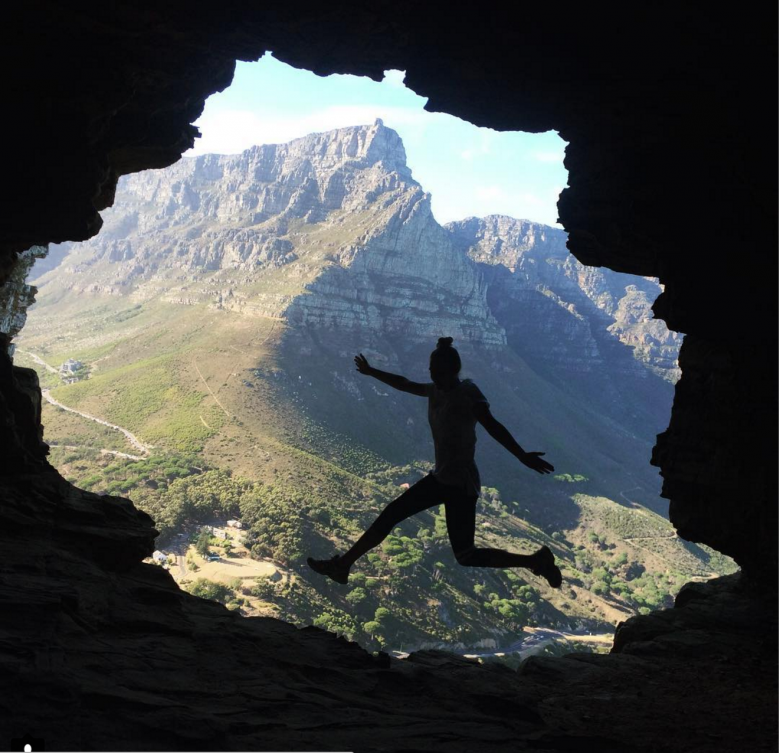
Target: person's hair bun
[{"x": 444, "y": 342}]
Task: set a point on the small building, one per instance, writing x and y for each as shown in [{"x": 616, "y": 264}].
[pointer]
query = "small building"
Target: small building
[
  {"x": 235, "y": 524},
  {"x": 404, "y": 486},
  {"x": 70, "y": 367},
  {"x": 220, "y": 534},
  {"x": 160, "y": 557}
]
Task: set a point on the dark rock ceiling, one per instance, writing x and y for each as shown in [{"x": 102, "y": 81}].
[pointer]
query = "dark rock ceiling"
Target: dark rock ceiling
[
  {"x": 667, "y": 108},
  {"x": 670, "y": 114}
]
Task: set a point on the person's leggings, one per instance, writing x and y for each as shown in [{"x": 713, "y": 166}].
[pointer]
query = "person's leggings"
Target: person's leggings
[{"x": 461, "y": 512}]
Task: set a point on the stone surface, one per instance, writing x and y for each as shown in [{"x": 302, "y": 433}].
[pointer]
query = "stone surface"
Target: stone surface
[
  {"x": 100, "y": 651},
  {"x": 16, "y": 295},
  {"x": 668, "y": 118},
  {"x": 544, "y": 294}
]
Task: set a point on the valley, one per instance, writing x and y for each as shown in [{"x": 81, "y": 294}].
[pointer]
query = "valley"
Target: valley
[{"x": 217, "y": 314}]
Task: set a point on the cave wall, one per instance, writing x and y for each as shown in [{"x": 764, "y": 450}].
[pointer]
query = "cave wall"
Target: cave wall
[{"x": 668, "y": 119}]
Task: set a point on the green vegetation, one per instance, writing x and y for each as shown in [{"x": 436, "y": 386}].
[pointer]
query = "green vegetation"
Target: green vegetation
[{"x": 243, "y": 426}]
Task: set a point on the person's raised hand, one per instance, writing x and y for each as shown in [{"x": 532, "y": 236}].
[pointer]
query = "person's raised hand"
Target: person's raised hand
[
  {"x": 362, "y": 364},
  {"x": 534, "y": 461}
]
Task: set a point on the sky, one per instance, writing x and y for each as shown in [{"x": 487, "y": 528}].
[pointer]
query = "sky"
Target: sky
[{"x": 468, "y": 171}]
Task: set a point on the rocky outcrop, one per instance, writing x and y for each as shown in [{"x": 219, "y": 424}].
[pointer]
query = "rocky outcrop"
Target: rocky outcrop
[
  {"x": 559, "y": 312},
  {"x": 16, "y": 296},
  {"x": 713, "y": 435},
  {"x": 329, "y": 231}
]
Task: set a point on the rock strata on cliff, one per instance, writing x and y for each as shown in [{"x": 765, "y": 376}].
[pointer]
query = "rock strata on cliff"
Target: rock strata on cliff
[
  {"x": 329, "y": 230},
  {"x": 332, "y": 231},
  {"x": 559, "y": 312}
]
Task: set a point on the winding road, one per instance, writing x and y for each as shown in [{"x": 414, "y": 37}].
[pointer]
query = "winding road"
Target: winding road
[
  {"x": 132, "y": 438},
  {"x": 137, "y": 443},
  {"x": 536, "y": 639}
]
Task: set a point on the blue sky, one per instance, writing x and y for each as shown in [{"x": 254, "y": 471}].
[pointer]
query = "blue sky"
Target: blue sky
[{"x": 468, "y": 170}]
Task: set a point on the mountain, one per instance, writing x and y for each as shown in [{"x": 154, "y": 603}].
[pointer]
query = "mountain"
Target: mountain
[
  {"x": 327, "y": 231},
  {"x": 590, "y": 331},
  {"x": 216, "y": 316},
  {"x": 331, "y": 236}
]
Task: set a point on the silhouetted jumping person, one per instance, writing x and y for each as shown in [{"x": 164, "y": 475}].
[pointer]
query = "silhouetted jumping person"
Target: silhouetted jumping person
[{"x": 454, "y": 407}]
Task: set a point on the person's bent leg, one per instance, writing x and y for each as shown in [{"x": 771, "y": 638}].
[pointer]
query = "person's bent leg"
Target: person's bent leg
[
  {"x": 461, "y": 515},
  {"x": 415, "y": 499},
  {"x": 461, "y": 525}
]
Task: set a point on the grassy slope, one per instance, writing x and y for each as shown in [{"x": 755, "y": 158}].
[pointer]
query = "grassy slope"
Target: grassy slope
[{"x": 224, "y": 388}]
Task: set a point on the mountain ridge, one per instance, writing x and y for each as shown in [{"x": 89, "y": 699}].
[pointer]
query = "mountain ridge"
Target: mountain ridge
[
  {"x": 216, "y": 317},
  {"x": 274, "y": 196}
]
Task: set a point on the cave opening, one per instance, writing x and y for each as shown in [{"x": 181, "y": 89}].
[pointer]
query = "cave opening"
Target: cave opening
[
  {"x": 667, "y": 124},
  {"x": 146, "y": 391}
]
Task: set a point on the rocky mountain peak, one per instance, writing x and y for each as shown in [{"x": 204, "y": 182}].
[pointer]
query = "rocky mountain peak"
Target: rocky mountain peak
[
  {"x": 331, "y": 231},
  {"x": 500, "y": 239},
  {"x": 357, "y": 147}
]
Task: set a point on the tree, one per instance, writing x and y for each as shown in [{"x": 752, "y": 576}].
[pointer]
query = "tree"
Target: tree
[
  {"x": 202, "y": 543},
  {"x": 381, "y": 614},
  {"x": 264, "y": 589},
  {"x": 355, "y": 596},
  {"x": 208, "y": 589}
]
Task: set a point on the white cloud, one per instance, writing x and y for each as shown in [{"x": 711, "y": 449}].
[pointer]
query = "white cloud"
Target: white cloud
[
  {"x": 233, "y": 131},
  {"x": 548, "y": 156},
  {"x": 395, "y": 79}
]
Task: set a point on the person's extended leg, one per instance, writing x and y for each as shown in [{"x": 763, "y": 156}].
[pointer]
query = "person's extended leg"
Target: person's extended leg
[
  {"x": 461, "y": 524},
  {"x": 418, "y": 497}
]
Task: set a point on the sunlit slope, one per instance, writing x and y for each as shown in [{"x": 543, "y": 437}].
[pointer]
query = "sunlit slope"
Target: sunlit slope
[
  {"x": 248, "y": 395},
  {"x": 217, "y": 315},
  {"x": 242, "y": 389}
]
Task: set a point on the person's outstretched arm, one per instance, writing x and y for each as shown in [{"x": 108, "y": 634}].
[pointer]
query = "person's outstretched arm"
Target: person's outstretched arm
[
  {"x": 393, "y": 380},
  {"x": 501, "y": 434}
]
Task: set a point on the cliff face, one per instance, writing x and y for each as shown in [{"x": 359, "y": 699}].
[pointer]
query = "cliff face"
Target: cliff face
[
  {"x": 330, "y": 230},
  {"x": 541, "y": 294},
  {"x": 662, "y": 148}
]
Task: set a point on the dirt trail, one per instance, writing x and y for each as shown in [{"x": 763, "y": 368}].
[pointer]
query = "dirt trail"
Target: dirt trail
[
  {"x": 202, "y": 379},
  {"x": 137, "y": 443},
  {"x": 102, "y": 451},
  {"x": 39, "y": 361}
]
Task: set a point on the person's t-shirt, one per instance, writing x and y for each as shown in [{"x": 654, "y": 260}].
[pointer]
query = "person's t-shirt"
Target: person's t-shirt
[{"x": 453, "y": 424}]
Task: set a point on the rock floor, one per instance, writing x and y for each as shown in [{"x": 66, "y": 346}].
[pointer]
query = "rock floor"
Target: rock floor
[{"x": 99, "y": 651}]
